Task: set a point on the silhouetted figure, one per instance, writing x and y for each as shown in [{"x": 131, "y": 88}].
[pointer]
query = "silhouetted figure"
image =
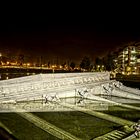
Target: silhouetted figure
[
  {"x": 82, "y": 93},
  {"x": 51, "y": 98}
]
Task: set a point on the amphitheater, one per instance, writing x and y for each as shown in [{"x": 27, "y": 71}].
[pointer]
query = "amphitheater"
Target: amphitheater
[{"x": 88, "y": 93}]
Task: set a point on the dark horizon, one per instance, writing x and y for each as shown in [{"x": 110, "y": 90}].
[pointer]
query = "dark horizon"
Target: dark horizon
[{"x": 71, "y": 39}]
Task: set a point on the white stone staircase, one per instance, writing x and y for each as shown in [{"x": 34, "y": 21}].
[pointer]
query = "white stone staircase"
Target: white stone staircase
[{"x": 119, "y": 134}]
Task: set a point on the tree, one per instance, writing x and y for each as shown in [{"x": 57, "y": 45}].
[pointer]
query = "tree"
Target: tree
[
  {"x": 98, "y": 64},
  {"x": 21, "y": 59},
  {"x": 72, "y": 65},
  {"x": 3, "y": 59},
  {"x": 91, "y": 67},
  {"x": 85, "y": 63},
  {"x": 64, "y": 64},
  {"x": 110, "y": 65},
  {"x": 49, "y": 64},
  {"x": 98, "y": 61}
]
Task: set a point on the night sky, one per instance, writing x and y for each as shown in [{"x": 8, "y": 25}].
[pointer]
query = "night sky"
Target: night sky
[{"x": 69, "y": 36}]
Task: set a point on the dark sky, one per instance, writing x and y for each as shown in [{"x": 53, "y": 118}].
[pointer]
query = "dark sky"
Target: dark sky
[{"x": 69, "y": 36}]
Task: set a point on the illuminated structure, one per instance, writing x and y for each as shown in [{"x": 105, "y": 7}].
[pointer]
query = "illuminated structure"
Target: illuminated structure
[
  {"x": 128, "y": 61},
  {"x": 54, "y": 92},
  {"x": 54, "y": 87}
]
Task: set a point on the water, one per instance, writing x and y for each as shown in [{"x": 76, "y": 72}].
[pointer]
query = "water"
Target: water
[
  {"x": 6, "y": 76},
  {"x": 131, "y": 84}
]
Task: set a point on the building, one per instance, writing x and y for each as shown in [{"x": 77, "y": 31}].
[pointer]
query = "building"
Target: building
[{"x": 128, "y": 60}]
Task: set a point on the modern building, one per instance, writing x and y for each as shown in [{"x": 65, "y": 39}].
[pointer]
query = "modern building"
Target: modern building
[{"x": 128, "y": 60}]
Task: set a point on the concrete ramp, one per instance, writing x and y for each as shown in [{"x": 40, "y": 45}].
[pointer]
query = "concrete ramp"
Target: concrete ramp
[{"x": 125, "y": 94}]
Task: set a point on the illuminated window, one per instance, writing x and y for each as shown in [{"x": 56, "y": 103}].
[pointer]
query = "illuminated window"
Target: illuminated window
[{"x": 133, "y": 58}]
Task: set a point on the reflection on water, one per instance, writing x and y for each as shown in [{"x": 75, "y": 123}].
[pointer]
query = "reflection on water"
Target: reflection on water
[
  {"x": 6, "y": 76},
  {"x": 61, "y": 105},
  {"x": 41, "y": 106},
  {"x": 131, "y": 84}
]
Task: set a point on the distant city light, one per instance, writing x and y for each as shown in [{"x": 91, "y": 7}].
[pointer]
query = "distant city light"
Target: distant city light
[
  {"x": 8, "y": 62},
  {"x": 28, "y": 64}
]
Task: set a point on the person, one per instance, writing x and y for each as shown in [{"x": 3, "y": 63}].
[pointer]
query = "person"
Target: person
[
  {"x": 110, "y": 87},
  {"x": 51, "y": 98},
  {"x": 80, "y": 101},
  {"x": 137, "y": 129},
  {"x": 1, "y": 89},
  {"x": 83, "y": 93},
  {"x": 106, "y": 90},
  {"x": 118, "y": 84}
]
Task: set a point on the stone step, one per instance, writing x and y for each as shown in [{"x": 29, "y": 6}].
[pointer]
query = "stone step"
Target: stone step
[
  {"x": 111, "y": 137},
  {"x": 116, "y": 136},
  {"x": 121, "y": 132}
]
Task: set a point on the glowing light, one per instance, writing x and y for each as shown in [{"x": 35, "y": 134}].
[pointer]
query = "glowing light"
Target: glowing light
[
  {"x": 8, "y": 62},
  {"x": 28, "y": 64},
  {"x": 138, "y": 60},
  {"x": 128, "y": 68},
  {"x": 133, "y": 58}
]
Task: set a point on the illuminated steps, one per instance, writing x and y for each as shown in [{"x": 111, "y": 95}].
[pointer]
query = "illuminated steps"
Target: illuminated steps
[
  {"x": 85, "y": 77},
  {"x": 120, "y": 134},
  {"x": 115, "y": 103},
  {"x": 49, "y": 82},
  {"x": 125, "y": 94},
  {"x": 37, "y": 93},
  {"x": 129, "y": 106},
  {"x": 130, "y": 90}
]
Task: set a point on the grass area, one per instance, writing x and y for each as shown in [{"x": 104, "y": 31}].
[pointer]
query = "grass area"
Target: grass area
[
  {"x": 79, "y": 124},
  {"x": 22, "y": 129},
  {"x": 132, "y": 115},
  {"x": 135, "y": 104}
]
